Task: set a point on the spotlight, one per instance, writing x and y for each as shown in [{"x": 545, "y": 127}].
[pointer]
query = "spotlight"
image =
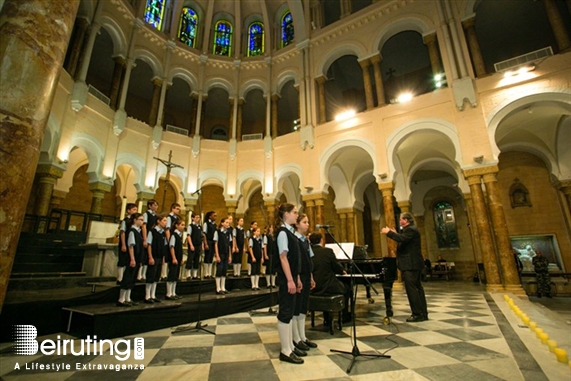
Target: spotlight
[
  {"x": 345, "y": 115},
  {"x": 404, "y": 97}
]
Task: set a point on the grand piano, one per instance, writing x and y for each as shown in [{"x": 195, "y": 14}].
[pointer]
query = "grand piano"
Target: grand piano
[{"x": 376, "y": 270}]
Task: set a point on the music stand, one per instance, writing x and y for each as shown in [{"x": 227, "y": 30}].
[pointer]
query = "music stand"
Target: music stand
[
  {"x": 270, "y": 310},
  {"x": 198, "y": 326},
  {"x": 355, "y": 352}
]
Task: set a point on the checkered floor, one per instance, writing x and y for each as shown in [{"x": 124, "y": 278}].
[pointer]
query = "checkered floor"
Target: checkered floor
[{"x": 470, "y": 336}]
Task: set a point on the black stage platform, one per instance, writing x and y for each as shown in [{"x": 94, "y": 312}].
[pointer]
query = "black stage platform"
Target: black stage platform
[{"x": 91, "y": 310}]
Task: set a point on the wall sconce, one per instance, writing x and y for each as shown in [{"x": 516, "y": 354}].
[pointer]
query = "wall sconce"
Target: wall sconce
[
  {"x": 308, "y": 189},
  {"x": 479, "y": 159},
  {"x": 383, "y": 175}
]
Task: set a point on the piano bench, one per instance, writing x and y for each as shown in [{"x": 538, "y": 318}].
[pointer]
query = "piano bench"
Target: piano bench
[{"x": 331, "y": 304}]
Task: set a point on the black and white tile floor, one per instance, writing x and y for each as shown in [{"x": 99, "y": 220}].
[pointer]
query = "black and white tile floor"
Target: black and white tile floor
[{"x": 471, "y": 335}]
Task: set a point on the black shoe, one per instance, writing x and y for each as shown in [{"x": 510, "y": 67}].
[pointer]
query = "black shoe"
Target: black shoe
[
  {"x": 301, "y": 346},
  {"x": 310, "y": 344},
  {"x": 415, "y": 319},
  {"x": 292, "y": 358},
  {"x": 219, "y": 292},
  {"x": 177, "y": 297},
  {"x": 156, "y": 300},
  {"x": 170, "y": 298},
  {"x": 424, "y": 317},
  {"x": 123, "y": 304},
  {"x": 149, "y": 301},
  {"x": 133, "y": 303},
  {"x": 299, "y": 352}
]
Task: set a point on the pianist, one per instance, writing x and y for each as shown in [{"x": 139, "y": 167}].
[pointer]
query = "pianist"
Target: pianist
[
  {"x": 325, "y": 268},
  {"x": 410, "y": 263}
]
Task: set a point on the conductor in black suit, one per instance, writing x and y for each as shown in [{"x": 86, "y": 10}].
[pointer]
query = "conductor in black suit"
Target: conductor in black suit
[
  {"x": 325, "y": 268},
  {"x": 410, "y": 263}
]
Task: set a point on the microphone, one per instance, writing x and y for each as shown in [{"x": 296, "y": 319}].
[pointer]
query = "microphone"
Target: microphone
[
  {"x": 319, "y": 226},
  {"x": 196, "y": 191}
]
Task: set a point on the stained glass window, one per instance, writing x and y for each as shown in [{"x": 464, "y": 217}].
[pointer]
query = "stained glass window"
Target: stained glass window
[
  {"x": 445, "y": 224},
  {"x": 154, "y": 13},
  {"x": 256, "y": 39},
  {"x": 287, "y": 29},
  {"x": 222, "y": 38},
  {"x": 188, "y": 25}
]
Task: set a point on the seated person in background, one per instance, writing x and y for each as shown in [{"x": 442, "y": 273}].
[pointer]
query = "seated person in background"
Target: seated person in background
[
  {"x": 325, "y": 266},
  {"x": 427, "y": 269},
  {"x": 541, "y": 266},
  {"x": 442, "y": 264}
]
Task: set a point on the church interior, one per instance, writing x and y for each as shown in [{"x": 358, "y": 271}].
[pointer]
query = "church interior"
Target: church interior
[{"x": 355, "y": 111}]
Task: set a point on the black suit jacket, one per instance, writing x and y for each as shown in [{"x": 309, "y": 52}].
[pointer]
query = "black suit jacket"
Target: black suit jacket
[
  {"x": 325, "y": 266},
  {"x": 409, "y": 255}
]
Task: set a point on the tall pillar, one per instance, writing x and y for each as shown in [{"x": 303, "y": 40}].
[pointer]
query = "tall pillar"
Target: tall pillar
[
  {"x": 75, "y": 45},
  {"x": 321, "y": 98},
  {"x": 319, "y": 216},
  {"x": 388, "y": 206},
  {"x": 231, "y": 206},
  {"x": 275, "y": 99},
  {"x": 493, "y": 282},
  {"x": 351, "y": 234},
  {"x": 345, "y": 8},
  {"x": 433, "y": 54},
  {"x": 565, "y": 187},
  {"x": 239, "y": 121},
  {"x": 473, "y": 228},
  {"x": 31, "y": 59},
  {"x": 193, "y": 110},
  {"x": 404, "y": 206},
  {"x": 367, "y": 83},
  {"x": 231, "y": 101},
  {"x": 474, "y": 46},
  {"x": 98, "y": 191},
  {"x": 57, "y": 197},
  {"x": 118, "y": 72},
  {"x": 143, "y": 198},
  {"x": 271, "y": 211},
  {"x": 310, "y": 211},
  {"x": 500, "y": 229},
  {"x": 47, "y": 177},
  {"x": 376, "y": 62},
  {"x": 557, "y": 25},
  {"x": 343, "y": 227},
  {"x": 157, "y": 87}
]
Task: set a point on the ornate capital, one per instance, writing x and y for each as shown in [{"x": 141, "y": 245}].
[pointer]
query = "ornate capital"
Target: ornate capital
[
  {"x": 480, "y": 171},
  {"x": 48, "y": 170},
  {"x": 99, "y": 187}
]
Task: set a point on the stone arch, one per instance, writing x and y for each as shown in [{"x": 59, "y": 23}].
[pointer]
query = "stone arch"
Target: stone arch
[
  {"x": 117, "y": 36},
  {"x": 352, "y": 48},
  {"x": 185, "y": 75},
  {"x": 284, "y": 78},
  {"x": 410, "y": 22},
  {"x": 138, "y": 165},
  {"x": 252, "y": 85},
  {"x": 151, "y": 60},
  {"x": 220, "y": 83}
]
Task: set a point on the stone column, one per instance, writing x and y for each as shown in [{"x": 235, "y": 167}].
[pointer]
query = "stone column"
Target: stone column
[
  {"x": 345, "y": 8},
  {"x": 85, "y": 58},
  {"x": 47, "y": 177},
  {"x": 433, "y": 54},
  {"x": 565, "y": 187},
  {"x": 310, "y": 211},
  {"x": 31, "y": 59},
  {"x": 239, "y": 121},
  {"x": 388, "y": 206},
  {"x": 500, "y": 229},
  {"x": 319, "y": 217},
  {"x": 474, "y": 46},
  {"x": 351, "y": 234},
  {"x": 231, "y": 206},
  {"x": 343, "y": 227},
  {"x": 557, "y": 25},
  {"x": 57, "y": 197},
  {"x": 493, "y": 282},
  {"x": 189, "y": 205},
  {"x": 321, "y": 98},
  {"x": 367, "y": 83},
  {"x": 98, "y": 191},
  {"x": 275, "y": 99},
  {"x": 404, "y": 206},
  {"x": 231, "y": 120},
  {"x": 473, "y": 227},
  {"x": 376, "y": 62},
  {"x": 80, "y": 28},
  {"x": 118, "y": 71},
  {"x": 316, "y": 14},
  {"x": 157, "y": 87},
  {"x": 193, "y": 110},
  {"x": 271, "y": 211},
  {"x": 144, "y": 197}
]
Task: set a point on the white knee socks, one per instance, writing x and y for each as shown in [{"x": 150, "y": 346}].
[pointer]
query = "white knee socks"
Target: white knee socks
[{"x": 284, "y": 332}]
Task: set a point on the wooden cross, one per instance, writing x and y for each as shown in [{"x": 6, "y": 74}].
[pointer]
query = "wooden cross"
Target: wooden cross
[{"x": 170, "y": 165}]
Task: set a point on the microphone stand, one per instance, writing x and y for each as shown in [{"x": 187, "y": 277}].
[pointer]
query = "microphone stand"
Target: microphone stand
[
  {"x": 355, "y": 352},
  {"x": 270, "y": 310},
  {"x": 199, "y": 326}
]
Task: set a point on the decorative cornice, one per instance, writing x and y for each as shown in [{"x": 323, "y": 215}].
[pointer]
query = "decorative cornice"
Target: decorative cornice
[{"x": 480, "y": 171}]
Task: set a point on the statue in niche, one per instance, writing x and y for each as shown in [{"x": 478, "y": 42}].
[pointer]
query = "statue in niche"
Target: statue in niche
[
  {"x": 526, "y": 257},
  {"x": 519, "y": 195}
]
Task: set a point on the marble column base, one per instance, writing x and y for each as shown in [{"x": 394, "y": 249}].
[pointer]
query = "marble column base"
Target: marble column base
[
  {"x": 494, "y": 288},
  {"x": 515, "y": 289}
]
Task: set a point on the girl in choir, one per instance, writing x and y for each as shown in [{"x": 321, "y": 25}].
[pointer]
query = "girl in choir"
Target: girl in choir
[
  {"x": 268, "y": 260},
  {"x": 174, "y": 259},
  {"x": 209, "y": 230},
  {"x": 157, "y": 249},
  {"x": 195, "y": 244},
  {"x": 150, "y": 218},
  {"x": 306, "y": 275},
  {"x": 135, "y": 250},
  {"x": 124, "y": 229},
  {"x": 256, "y": 249},
  {"x": 238, "y": 238},
  {"x": 288, "y": 278},
  {"x": 223, "y": 252}
]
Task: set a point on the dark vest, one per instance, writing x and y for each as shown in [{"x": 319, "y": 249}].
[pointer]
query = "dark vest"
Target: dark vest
[
  {"x": 159, "y": 247},
  {"x": 211, "y": 228},
  {"x": 257, "y": 247},
  {"x": 196, "y": 236},
  {"x": 138, "y": 248},
  {"x": 151, "y": 220},
  {"x": 174, "y": 219},
  {"x": 223, "y": 244},
  {"x": 293, "y": 255},
  {"x": 177, "y": 248},
  {"x": 306, "y": 264},
  {"x": 240, "y": 239},
  {"x": 127, "y": 230}
]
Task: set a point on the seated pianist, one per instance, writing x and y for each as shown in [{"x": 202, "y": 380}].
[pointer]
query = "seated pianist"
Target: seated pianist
[
  {"x": 441, "y": 266},
  {"x": 325, "y": 268}
]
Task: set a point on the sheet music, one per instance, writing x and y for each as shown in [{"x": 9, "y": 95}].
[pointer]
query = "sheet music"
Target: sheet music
[{"x": 347, "y": 246}]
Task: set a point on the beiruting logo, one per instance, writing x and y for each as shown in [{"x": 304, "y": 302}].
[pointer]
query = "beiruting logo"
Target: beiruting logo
[{"x": 25, "y": 343}]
